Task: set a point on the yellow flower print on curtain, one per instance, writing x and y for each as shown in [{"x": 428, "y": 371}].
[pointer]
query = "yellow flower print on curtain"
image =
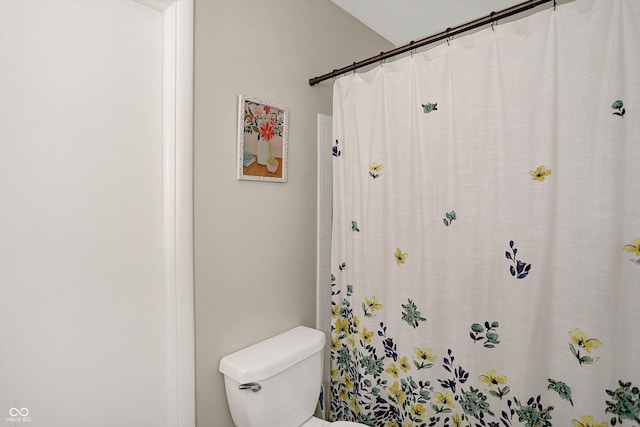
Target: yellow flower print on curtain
[
  {"x": 418, "y": 410},
  {"x": 404, "y": 364},
  {"x": 588, "y": 421},
  {"x": 335, "y": 311},
  {"x": 540, "y": 173},
  {"x": 457, "y": 422},
  {"x": 423, "y": 357},
  {"x": 393, "y": 370},
  {"x": 396, "y": 394},
  {"x": 375, "y": 170},
  {"x": 579, "y": 338},
  {"x": 634, "y": 248},
  {"x": 400, "y": 257},
  {"x": 370, "y": 305},
  {"x": 366, "y": 335},
  {"x": 444, "y": 402},
  {"x": 491, "y": 378},
  {"x": 341, "y": 326}
]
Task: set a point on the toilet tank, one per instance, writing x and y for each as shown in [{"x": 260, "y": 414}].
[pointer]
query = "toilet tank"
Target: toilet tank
[{"x": 287, "y": 370}]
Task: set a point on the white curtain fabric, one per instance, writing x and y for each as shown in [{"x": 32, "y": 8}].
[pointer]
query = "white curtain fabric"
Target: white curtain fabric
[{"x": 486, "y": 228}]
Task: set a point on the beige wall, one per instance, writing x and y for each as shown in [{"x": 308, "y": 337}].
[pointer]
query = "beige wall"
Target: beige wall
[{"x": 255, "y": 241}]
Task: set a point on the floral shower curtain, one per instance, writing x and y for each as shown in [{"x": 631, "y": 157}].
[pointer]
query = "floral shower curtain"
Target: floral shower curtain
[{"x": 486, "y": 228}]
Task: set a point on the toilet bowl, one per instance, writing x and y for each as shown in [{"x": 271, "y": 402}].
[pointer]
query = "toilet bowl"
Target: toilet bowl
[{"x": 277, "y": 382}]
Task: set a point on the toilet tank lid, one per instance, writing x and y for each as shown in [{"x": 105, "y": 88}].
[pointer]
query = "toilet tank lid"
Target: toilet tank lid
[{"x": 272, "y": 356}]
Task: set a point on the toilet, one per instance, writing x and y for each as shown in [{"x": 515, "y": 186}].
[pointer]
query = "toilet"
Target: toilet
[{"x": 276, "y": 382}]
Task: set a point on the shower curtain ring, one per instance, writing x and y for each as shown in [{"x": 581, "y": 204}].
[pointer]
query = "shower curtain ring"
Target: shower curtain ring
[
  {"x": 449, "y": 38},
  {"x": 554, "y": 4},
  {"x": 494, "y": 22}
]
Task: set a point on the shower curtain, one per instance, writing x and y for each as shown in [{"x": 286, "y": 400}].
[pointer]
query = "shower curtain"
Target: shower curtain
[{"x": 486, "y": 228}]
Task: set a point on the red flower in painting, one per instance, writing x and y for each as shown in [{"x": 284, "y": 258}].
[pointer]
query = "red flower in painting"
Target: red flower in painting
[
  {"x": 267, "y": 109},
  {"x": 266, "y": 131}
]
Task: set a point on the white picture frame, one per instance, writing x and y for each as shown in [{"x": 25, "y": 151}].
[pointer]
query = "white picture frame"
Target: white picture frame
[{"x": 263, "y": 133}]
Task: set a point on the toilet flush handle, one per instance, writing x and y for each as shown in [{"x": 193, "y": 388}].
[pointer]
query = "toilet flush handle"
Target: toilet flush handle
[{"x": 254, "y": 387}]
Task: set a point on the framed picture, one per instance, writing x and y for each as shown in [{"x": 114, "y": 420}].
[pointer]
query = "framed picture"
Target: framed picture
[{"x": 263, "y": 131}]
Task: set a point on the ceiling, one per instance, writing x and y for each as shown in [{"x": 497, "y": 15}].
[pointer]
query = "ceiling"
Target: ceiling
[{"x": 401, "y": 21}]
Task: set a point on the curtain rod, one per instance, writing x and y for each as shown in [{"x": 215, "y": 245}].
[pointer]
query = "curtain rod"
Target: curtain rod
[{"x": 449, "y": 32}]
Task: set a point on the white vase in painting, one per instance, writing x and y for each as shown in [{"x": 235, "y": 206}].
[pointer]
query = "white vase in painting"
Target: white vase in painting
[{"x": 264, "y": 152}]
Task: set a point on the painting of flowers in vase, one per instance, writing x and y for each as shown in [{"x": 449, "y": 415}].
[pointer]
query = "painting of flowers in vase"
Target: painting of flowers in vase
[{"x": 262, "y": 140}]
